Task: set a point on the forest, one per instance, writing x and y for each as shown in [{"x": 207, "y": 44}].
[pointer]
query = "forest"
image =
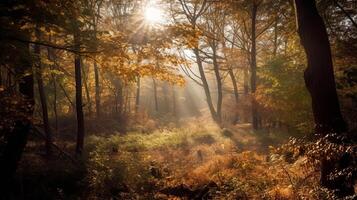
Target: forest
[{"x": 178, "y": 99}]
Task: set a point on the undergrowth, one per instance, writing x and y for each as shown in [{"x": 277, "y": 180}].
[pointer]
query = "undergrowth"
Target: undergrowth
[
  {"x": 140, "y": 166},
  {"x": 195, "y": 162}
]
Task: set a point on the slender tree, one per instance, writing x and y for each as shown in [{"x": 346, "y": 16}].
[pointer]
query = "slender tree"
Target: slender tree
[
  {"x": 51, "y": 57},
  {"x": 236, "y": 94},
  {"x": 95, "y": 65},
  {"x": 79, "y": 101},
  {"x": 253, "y": 65},
  {"x": 155, "y": 95},
  {"x": 86, "y": 86},
  {"x": 43, "y": 98},
  {"x": 193, "y": 16},
  {"x": 137, "y": 99}
]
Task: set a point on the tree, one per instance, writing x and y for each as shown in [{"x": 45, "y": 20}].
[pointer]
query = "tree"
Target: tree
[
  {"x": 17, "y": 136},
  {"x": 43, "y": 98},
  {"x": 156, "y": 103},
  {"x": 253, "y": 65},
  {"x": 16, "y": 106},
  {"x": 79, "y": 101},
  {"x": 320, "y": 82},
  {"x": 319, "y": 75},
  {"x": 205, "y": 32},
  {"x": 137, "y": 99},
  {"x": 96, "y": 14}
]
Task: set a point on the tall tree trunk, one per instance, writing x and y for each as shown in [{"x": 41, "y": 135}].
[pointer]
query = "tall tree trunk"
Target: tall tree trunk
[
  {"x": 86, "y": 88},
  {"x": 165, "y": 92},
  {"x": 16, "y": 138},
  {"x": 174, "y": 109},
  {"x": 193, "y": 17},
  {"x": 43, "y": 98},
  {"x": 236, "y": 94},
  {"x": 245, "y": 81},
  {"x": 119, "y": 92},
  {"x": 116, "y": 103},
  {"x": 137, "y": 100},
  {"x": 97, "y": 90},
  {"x": 51, "y": 57},
  {"x": 205, "y": 84},
  {"x": 253, "y": 67},
  {"x": 234, "y": 83},
  {"x": 55, "y": 110},
  {"x": 79, "y": 101},
  {"x": 95, "y": 66},
  {"x": 219, "y": 84},
  {"x": 319, "y": 75},
  {"x": 320, "y": 82},
  {"x": 155, "y": 95},
  {"x": 125, "y": 98},
  {"x": 127, "y": 101}
]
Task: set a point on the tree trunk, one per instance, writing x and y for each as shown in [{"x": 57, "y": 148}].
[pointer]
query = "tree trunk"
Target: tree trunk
[
  {"x": 16, "y": 138},
  {"x": 253, "y": 67},
  {"x": 319, "y": 75},
  {"x": 51, "y": 57},
  {"x": 155, "y": 96},
  {"x": 205, "y": 85},
  {"x": 219, "y": 84},
  {"x": 127, "y": 101},
  {"x": 96, "y": 71},
  {"x": 97, "y": 90},
  {"x": 79, "y": 101},
  {"x": 234, "y": 83},
  {"x": 193, "y": 18},
  {"x": 54, "y": 81},
  {"x": 86, "y": 88},
  {"x": 116, "y": 103},
  {"x": 320, "y": 82},
  {"x": 137, "y": 100},
  {"x": 119, "y": 98},
  {"x": 174, "y": 109},
  {"x": 43, "y": 98},
  {"x": 166, "y": 106},
  {"x": 245, "y": 82},
  {"x": 236, "y": 95}
]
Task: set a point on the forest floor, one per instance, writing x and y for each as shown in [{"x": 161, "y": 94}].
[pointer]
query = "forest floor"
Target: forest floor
[{"x": 198, "y": 161}]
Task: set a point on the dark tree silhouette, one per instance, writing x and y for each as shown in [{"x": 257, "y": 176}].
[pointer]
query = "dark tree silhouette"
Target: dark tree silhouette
[
  {"x": 320, "y": 82},
  {"x": 16, "y": 138},
  {"x": 79, "y": 101}
]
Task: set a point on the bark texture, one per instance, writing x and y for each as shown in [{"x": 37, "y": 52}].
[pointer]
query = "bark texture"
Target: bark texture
[
  {"x": 79, "y": 100},
  {"x": 320, "y": 82},
  {"x": 319, "y": 75}
]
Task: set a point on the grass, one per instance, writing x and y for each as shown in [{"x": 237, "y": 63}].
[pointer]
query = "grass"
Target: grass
[
  {"x": 138, "y": 165},
  {"x": 159, "y": 139},
  {"x": 194, "y": 156}
]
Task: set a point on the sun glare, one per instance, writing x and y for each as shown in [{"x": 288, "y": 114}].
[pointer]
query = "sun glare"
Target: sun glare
[{"x": 153, "y": 15}]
